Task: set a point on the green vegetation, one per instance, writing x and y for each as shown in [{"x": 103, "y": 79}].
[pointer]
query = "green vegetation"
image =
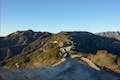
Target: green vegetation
[
  {"x": 43, "y": 57},
  {"x": 42, "y": 50}
]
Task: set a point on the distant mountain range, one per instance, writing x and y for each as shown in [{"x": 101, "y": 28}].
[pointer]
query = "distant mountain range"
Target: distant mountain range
[
  {"x": 29, "y": 49},
  {"x": 115, "y": 35}
]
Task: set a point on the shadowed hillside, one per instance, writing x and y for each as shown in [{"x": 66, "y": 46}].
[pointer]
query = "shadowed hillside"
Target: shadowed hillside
[
  {"x": 29, "y": 49},
  {"x": 66, "y": 50}
]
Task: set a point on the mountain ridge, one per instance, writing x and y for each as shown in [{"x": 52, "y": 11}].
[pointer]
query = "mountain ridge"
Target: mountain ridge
[
  {"x": 110, "y": 34},
  {"x": 47, "y": 49}
]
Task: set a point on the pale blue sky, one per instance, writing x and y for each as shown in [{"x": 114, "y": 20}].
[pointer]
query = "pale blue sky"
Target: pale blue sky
[{"x": 59, "y": 15}]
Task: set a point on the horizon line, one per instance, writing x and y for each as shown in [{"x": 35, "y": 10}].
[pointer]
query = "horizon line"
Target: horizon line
[{"x": 59, "y": 31}]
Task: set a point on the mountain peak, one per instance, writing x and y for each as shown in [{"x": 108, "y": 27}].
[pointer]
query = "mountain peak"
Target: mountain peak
[
  {"x": 27, "y": 49},
  {"x": 110, "y": 34}
]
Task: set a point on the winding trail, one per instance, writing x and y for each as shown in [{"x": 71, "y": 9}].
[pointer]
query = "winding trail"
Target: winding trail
[{"x": 66, "y": 51}]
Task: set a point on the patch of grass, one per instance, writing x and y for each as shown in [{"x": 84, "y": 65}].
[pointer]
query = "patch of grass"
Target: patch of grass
[
  {"x": 106, "y": 60},
  {"x": 42, "y": 57}
]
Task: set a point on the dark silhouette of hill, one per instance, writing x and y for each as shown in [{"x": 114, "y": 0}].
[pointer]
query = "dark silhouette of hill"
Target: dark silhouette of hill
[{"x": 90, "y": 43}]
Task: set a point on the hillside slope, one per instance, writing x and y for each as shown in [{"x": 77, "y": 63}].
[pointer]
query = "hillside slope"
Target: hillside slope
[
  {"x": 49, "y": 49},
  {"x": 15, "y": 43},
  {"x": 71, "y": 69},
  {"x": 46, "y": 49}
]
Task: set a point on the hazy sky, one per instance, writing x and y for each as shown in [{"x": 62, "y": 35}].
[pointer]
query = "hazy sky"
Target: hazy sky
[{"x": 59, "y": 15}]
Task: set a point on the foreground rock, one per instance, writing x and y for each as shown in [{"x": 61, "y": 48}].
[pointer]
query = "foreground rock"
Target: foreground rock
[{"x": 71, "y": 69}]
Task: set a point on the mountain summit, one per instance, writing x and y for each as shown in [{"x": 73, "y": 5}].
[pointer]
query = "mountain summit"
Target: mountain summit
[{"x": 29, "y": 49}]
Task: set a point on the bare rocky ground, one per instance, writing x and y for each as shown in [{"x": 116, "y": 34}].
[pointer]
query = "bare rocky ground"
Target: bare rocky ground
[{"x": 71, "y": 69}]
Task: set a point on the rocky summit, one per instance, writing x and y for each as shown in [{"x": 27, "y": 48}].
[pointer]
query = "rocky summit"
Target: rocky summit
[{"x": 78, "y": 55}]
